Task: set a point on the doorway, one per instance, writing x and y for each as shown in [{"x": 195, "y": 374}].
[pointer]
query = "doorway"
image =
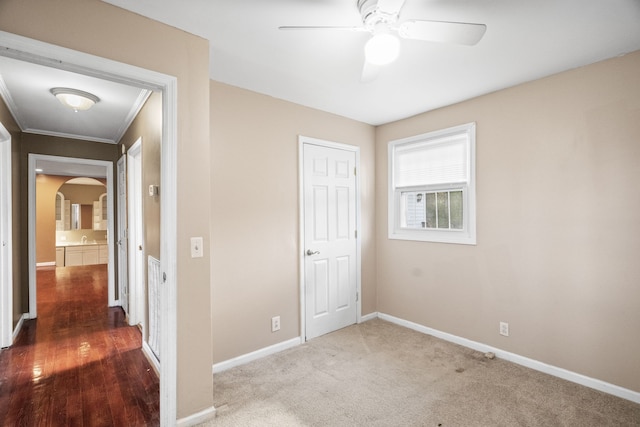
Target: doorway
[
  {"x": 30, "y": 50},
  {"x": 107, "y": 168},
  {"x": 108, "y": 172},
  {"x": 329, "y": 221}
]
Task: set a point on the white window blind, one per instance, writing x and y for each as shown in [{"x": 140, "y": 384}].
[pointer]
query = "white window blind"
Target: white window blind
[{"x": 443, "y": 161}]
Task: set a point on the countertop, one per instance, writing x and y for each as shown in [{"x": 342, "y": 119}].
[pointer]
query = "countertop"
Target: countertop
[{"x": 88, "y": 243}]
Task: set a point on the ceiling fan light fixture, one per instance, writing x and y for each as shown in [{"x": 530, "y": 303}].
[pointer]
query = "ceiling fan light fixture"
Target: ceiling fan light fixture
[
  {"x": 77, "y": 100},
  {"x": 382, "y": 49}
]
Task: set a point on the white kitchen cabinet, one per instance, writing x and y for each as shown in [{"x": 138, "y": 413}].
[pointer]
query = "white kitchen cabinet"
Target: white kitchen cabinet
[
  {"x": 85, "y": 255},
  {"x": 59, "y": 257},
  {"x": 73, "y": 256},
  {"x": 90, "y": 255},
  {"x": 103, "y": 254}
]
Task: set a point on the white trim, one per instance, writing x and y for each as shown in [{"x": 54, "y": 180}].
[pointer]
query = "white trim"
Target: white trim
[
  {"x": 31, "y": 235},
  {"x": 565, "y": 374},
  {"x": 47, "y": 54},
  {"x": 168, "y": 255},
  {"x": 302, "y": 140},
  {"x": 108, "y": 165},
  {"x": 368, "y": 317},
  {"x": 255, "y": 355},
  {"x": 18, "y": 328},
  {"x": 121, "y": 238},
  {"x": 197, "y": 418},
  {"x": 467, "y": 236},
  {"x": 46, "y": 264},
  {"x": 151, "y": 357},
  {"x": 301, "y": 272},
  {"x": 6, "y": 239},
  {"x": 133, "y": 113},
  {"x": 35, "y": 131}
]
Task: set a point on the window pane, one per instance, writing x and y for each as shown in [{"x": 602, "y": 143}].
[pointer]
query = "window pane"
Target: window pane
[
  {"x": 431, "y": 210},
  {"x": 443, "y": 210},
  {"x": 455, "y": 198},
  {"x": 414, "y": 209}
]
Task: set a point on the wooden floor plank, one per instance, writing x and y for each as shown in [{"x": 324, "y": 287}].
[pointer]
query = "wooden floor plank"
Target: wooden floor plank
[{"x": 79, "y": 363}]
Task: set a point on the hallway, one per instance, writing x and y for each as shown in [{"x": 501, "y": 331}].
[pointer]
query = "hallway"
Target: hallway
[{"x": 79, "y": 363}]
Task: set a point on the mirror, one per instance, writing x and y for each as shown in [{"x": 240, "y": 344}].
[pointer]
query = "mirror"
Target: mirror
[
  {"x": 81, "y": 204},
  {"x": 76, "y": 218}
]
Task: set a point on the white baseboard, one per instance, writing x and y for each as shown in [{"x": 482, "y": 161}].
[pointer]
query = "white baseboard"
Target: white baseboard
[
  {"x": 255, "y": 355},
  {"x": 151, "y": 357},
  {"x": 574, "y": 377},
  {"x": 197, "y": 418},
  {"x": 46, "y": 264},
  {"x": 368, "y": 317},
  {"x": 16, "y": 330}
]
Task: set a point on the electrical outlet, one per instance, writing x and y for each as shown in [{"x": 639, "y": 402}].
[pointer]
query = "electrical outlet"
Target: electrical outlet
[
  {"x": 275, "y": 324},
  {"x": 504, "y": 329}
]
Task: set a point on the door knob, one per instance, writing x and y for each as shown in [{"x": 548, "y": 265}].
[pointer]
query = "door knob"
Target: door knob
[{"x": 310, "y": 252}]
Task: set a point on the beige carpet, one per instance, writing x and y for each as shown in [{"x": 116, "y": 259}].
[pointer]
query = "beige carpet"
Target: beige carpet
[{"x": 381, "y": 374}]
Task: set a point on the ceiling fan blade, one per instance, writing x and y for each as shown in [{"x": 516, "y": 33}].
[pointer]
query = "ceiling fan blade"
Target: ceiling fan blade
[
  {"x": 303, "y": 27},
  {"x": 444, "y": 32},
  {"x": 369, "y": 72},
  {"x": 392, "y": 7}
]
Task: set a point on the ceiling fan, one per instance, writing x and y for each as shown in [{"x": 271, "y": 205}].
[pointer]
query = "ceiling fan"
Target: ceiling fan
[{"x": 380, "y": 18}]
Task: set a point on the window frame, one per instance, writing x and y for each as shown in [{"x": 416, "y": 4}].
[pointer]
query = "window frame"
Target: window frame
[{"x": 467, "y": 235}]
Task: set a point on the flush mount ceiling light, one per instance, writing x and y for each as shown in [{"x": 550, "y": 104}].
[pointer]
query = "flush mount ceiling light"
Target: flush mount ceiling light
[{"x": 75, "y": 99}]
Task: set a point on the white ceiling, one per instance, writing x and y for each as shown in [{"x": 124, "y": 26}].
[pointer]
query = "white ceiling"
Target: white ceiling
[
  {"x": 68, "y": 167},
  {"x": 525, "y": 40},
  {"x": 25, "y": 88}
]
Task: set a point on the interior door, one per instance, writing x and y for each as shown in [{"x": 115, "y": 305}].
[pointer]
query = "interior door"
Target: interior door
[
  {"x": 123, "y": 278},
  {"x": 330, "y": 276},
  {"x": 137, "y": 297}
]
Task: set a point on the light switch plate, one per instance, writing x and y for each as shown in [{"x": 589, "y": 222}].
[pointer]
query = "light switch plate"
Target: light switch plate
[{"x": 196, "y": 247}]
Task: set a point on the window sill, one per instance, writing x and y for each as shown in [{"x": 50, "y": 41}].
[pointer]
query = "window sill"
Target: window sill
[{"x": 453, "y": 237}]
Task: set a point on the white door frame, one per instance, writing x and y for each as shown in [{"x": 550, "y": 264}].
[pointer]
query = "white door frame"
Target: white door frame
[
  {"x": 302, "y": 140},
  {"x": 6, "y": 241},
  {"x": 135, "y": 236},
  {"x": 33, "y": 158},
  {"x": 122, "y": 240},
  {"x": 51, "y": 55}
]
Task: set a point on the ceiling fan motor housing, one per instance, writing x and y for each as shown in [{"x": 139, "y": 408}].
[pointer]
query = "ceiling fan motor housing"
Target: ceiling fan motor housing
[{"x": 372, "y": 16}]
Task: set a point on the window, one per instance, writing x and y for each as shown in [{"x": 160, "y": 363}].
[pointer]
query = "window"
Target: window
[{"x": 432, "y": 186}]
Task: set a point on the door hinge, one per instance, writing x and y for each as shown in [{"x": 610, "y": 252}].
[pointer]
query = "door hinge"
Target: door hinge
[
  {"x": 357, "y": 296},
  {"x": 356, "y": 234},
  {"x": 354, "y": 172}
]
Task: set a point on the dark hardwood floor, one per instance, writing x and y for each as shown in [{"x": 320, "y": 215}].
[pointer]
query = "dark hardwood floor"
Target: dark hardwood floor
[{"x": 78, "y": 363}]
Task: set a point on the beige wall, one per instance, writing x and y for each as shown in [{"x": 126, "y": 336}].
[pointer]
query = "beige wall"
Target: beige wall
[
  {"x": 148, "y": 126},
  {"x": 45, "y": 196},
  {"x": 558, "y": 225},
  {"x": 47, "y": 186},
  {"x": 254, "y": 220},
  {"x": 10, "y": 124},
  {"x": 83, "y": 194},
  {"x": 107, "y": 31}
]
